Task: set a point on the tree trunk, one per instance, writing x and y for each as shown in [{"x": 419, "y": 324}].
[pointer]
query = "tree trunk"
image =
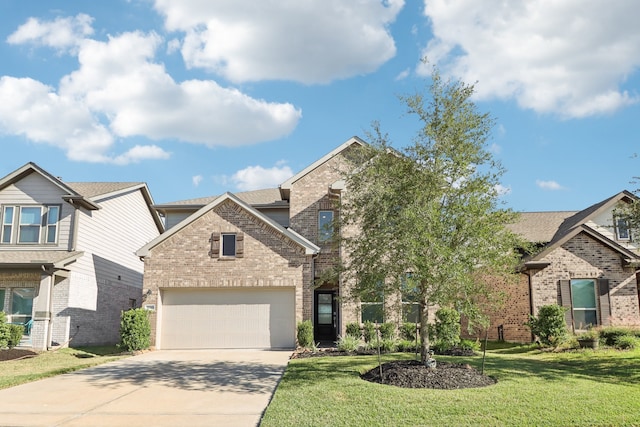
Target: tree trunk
[{"x": 424, "y": 332}]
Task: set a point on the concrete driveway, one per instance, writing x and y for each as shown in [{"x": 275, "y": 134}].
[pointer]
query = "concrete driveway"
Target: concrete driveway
[{"x": 160, "y": 388}]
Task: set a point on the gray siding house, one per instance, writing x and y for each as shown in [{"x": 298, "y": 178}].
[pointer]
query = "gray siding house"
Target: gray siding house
[{"x": 67, "y": 255}]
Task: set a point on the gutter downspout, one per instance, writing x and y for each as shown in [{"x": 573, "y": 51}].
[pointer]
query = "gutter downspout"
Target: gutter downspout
[{"x": 74, "y": 228}]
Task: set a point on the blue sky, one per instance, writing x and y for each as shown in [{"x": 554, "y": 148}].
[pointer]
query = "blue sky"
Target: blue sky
[{"x": 197, "y": 98}]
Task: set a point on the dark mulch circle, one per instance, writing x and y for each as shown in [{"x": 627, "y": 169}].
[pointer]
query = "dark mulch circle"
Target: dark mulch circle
[
  {"x": 16, "y": 353},
  {"x": 414, "y": 374}
]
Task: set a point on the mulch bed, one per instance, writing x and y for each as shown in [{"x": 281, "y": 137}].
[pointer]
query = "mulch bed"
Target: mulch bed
[
  {"x": 414, "y": 374},
  {"x": 16, "y": 353}
]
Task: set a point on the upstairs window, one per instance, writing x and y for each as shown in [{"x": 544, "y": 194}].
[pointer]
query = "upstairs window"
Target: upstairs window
[
  {"x": 30, "y": 224},
  {"x": 227, "y": 245},
  {"x": 622, "y": 229},
  {"x": 325, "y": 225}
]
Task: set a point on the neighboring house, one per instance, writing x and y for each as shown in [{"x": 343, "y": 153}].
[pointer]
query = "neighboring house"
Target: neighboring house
[
  {"x": 587, "y": 261},
  {"x": 240, "y": 270},
  {"x": 67, "y": 255}
]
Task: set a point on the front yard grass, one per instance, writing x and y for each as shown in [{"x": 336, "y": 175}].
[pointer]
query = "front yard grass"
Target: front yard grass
[
  {"x": 534, "y": 388},
  {"x": 48, "y": 364}
]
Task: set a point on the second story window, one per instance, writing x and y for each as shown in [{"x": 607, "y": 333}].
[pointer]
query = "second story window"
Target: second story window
[
  {"x": 227, "y": 245},
  {"x": 30, "y": 224},
  {"x": 622, "y": 229},
  {"x": 325, "y": 225}
]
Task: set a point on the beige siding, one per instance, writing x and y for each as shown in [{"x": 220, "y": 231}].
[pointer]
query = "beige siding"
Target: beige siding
[
  {"x": 112, "y": 235},
  {"x": 36, "y": 190}
]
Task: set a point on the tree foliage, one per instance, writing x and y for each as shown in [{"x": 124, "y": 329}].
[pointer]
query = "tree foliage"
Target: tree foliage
[{"x": 431, "y": 209}]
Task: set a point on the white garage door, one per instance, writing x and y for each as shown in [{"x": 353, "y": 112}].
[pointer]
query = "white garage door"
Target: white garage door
[{"x": 227, "y": 318}]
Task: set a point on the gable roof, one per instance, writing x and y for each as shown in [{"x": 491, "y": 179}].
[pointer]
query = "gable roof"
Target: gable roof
[
  {"x": 309, "y": 247},
  {"x": 556, "y": 228},
  {"x": 285, "y": 187},
  {"x": 266, "y": 197},
  {"x": 84, "y": 194}
]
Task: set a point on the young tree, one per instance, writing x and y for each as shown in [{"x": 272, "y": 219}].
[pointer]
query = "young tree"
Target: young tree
[{"x": 429, "y": 212}]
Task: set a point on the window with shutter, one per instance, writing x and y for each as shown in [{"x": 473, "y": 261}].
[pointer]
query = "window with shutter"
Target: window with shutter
[
  {"x": 586, "y": 301},
  {"x": 215, "y": 245}
]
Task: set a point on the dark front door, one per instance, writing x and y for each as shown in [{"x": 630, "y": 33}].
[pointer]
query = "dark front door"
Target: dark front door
[{"x": 325, "y": 316}]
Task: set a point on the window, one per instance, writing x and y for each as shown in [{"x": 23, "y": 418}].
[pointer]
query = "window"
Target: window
[
  {"x": 22, "y": 306},
  {"x": 410, "y": 298},
  {"x": 2, "y": 294},
  {"x": 53, "y": 215},
  {"x": 227, "y": 245},
  {"x": 583, "y": 297},
  {"x": 372, "y": 305},
  {"x": 30, "y": 224},
  {"x": 132, "y": 303},
  {"x": 325, "y": 225},
  {"x": 622, "y": 229},
  {"x": 30, "y": 220},
  {"x": 7, "y": 224}
]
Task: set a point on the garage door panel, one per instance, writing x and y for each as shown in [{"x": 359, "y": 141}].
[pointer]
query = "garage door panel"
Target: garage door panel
[{"x": 229, "y": 318}]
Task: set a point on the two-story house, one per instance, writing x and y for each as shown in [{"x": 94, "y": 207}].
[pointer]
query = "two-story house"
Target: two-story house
[
  {"x": 67, "y": 255},
  {"x": 240, "y": 270}
]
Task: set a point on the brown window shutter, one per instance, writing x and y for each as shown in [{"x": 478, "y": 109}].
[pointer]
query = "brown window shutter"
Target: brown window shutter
[
  {"x": 215, "y": 245},
  {"x": 605, "y": 308},
  {"x": 239, "y": 245},
  {"x": 565, "y": 301}
]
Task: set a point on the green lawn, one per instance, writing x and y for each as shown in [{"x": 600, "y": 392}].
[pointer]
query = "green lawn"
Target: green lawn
[
  {"x": 48, "y": 364},
  {"x": 577, "y": 388}
]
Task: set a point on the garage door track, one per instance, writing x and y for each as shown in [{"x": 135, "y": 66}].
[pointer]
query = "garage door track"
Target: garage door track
[{"x": 160, "y": 388}]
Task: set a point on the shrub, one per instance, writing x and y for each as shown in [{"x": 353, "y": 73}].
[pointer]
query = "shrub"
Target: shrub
[
  {"x": 549, "y": 326},
  {"x": 408, "y": 331},
  {"x": 369, "y": 332},
  {"x": 135, "y": 330},
  {"x": 470, "y": 345},
  {"x": 388, "y": 345},
  {"x": 305, "y": 334},
  {"x": 387, "y": 331},
  {"x": 15, "y": 335},
  {"x": 626, "y": 342},
  {"x": 353, "y": 330},
  {"x": 348, "y": 343},
  {"x": 407, "y": 346},
  {"x": 447, "y": 328},
  {"x": 610, "y": 334},
  {"x": 10, "y": 335}
]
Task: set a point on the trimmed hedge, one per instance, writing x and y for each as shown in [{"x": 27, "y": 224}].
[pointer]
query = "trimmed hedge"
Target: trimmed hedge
[
  {"x": 135, "y": 330},
  {"x": 305, "y": 334}
]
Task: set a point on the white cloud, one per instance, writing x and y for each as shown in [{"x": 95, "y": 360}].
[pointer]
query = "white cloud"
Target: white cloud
[
  {"x": 256, "y": 177},
  {"x": 403, "y": 74},
  {"x": 502, "y": 190},
  {"x": 310, "y": 41},
  {"x": 119, "y": 91},
  {"x": 549, "y": 185},
  {"x": 60, "y": 34},
  {"x": 197, "y": 179},
  {"x": 568, "y": 58}
]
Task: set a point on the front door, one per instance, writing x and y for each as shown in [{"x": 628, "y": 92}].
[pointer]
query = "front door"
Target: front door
[{"x": 325, "y": 316}]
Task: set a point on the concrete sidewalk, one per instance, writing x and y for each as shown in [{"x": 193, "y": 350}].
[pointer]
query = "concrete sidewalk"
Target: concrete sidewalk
[{"x": 161, "y": 388}]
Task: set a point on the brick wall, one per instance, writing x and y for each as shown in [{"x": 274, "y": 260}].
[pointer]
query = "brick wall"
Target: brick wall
[
  {"x": 582, "y": 257},
  {"x": 508, "y": 310},
  {"x": 270, "y": 259}
]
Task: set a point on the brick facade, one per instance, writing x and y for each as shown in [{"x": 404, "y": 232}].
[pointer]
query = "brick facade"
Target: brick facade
[
  {"x": 583, "y": 257},
  {"x": 270, "y": 259}
]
